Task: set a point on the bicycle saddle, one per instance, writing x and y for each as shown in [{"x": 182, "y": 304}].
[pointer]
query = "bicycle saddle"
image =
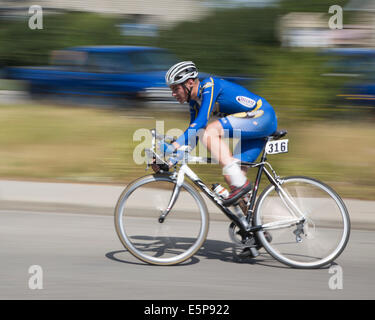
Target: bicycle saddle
[{"x": 279, "y": 134}]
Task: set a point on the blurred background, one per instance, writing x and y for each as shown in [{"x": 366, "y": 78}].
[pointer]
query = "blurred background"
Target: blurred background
[{"x": 75, "y": 89}]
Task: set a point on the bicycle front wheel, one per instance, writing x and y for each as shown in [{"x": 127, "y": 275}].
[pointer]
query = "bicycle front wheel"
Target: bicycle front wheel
[
  {"x": 316, "y": 241},
  {"x": 170, "y": 242}
]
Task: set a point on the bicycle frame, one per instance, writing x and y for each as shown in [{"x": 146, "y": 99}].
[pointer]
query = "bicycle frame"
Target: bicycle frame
[
  {"x": 275, "y": 180},
  {"x": 244, "y": 229},
  {"x": 185, "y": 170}
]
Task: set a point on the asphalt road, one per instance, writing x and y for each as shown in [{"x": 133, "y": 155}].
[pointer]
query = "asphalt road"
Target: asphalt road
[{"x": 80, "y": 257}]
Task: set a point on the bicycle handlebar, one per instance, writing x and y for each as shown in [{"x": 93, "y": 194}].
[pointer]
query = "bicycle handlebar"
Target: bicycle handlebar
[
  {"x": 158, "y": 136},
  {"x": 154, "y": 156}
]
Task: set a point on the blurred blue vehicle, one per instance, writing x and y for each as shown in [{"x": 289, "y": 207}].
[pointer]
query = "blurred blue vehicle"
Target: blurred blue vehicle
[
  {"x": 124, "y": 72},
  {"x": 357, "y": 66}
]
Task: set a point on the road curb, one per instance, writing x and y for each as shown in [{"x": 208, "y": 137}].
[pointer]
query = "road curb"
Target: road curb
[
  {"x": 359, "y": 223},
  {"x": 101, "y": 200}
]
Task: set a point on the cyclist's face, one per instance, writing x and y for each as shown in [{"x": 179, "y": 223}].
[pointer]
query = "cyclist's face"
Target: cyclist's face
[{"x": 179, "y": 93}]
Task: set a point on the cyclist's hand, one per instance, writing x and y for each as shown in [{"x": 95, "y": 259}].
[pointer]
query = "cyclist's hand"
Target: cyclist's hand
[
  {"x": 176, "y": 158},
  {"x": 166, "y": 148}
]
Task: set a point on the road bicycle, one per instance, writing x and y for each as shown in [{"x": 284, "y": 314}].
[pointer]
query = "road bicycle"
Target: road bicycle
[{"x": 162, "y": 218}]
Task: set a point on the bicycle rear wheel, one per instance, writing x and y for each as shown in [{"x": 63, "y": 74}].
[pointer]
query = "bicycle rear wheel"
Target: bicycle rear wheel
[
  {"x": 137, "y": 223},
  {"x": 320, "y": 239}
]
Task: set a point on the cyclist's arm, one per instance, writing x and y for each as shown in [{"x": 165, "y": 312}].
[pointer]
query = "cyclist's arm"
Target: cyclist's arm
[
  {"x": 193, "y": 114},
  {"x": 209, "y": 95}
]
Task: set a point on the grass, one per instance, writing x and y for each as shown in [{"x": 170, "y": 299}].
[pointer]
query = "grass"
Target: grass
[
  {"x": 13, "y": 85},
  {"x": 94, "y": 145}
]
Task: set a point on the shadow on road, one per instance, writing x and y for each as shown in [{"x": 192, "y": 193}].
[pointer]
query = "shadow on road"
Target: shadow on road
[{"x": 211, "y": 249}]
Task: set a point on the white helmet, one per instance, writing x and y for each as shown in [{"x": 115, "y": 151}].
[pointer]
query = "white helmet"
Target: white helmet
[{"x": 180, "y": 72}]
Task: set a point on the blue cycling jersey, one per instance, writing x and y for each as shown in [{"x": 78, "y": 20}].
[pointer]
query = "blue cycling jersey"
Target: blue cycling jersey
[{"x": 222, "y": 98}]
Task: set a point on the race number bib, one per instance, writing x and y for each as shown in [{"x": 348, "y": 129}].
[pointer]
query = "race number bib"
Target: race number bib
[{"x": 278, "y": 146}]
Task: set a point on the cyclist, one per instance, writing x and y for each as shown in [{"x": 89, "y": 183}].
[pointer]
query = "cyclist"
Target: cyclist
[{"x": 236, "y": 108}]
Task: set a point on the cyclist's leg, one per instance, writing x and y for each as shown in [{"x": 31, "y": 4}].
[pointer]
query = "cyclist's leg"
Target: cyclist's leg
[
  {"x": 251, "y": 143},
  {"x": 213, "y": 139},
  {"x": 254, "y": 126},
  {"x": 251, "y": 130},
  {"x": 248, "y": 150}
]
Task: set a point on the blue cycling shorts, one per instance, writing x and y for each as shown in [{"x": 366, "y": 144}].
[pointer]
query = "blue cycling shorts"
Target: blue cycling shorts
[{"x": 253, "y": 127}]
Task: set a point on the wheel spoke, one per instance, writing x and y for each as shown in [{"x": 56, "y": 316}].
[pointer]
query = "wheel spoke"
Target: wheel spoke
[
  {"x": 177, "y": 238},
  {"x": 324, "y": 233}
]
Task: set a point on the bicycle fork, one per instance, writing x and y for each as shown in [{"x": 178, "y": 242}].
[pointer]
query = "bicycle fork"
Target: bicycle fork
[
  {"x": 179, "y": 177},
  {"x": 172, "y": 201},
  {"x": 175, "y": 194}
]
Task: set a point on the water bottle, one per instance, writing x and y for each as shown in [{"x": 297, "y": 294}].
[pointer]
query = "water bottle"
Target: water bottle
[{"x": 220, "y": 190}]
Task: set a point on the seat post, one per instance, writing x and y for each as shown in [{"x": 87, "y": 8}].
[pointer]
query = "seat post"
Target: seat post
[{"x": 264, "y": 155}]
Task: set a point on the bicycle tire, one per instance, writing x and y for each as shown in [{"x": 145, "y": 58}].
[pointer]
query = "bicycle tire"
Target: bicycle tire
[
  {"x": 280, "y": 249},
  {"x": 129, "y": 241}
]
